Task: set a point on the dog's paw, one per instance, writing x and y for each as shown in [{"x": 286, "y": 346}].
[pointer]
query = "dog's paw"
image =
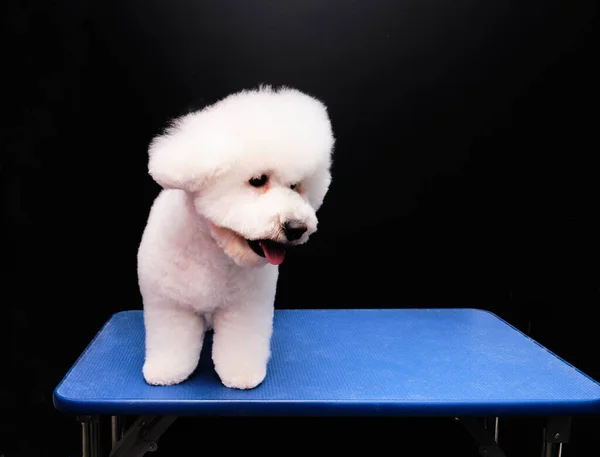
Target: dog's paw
[
  {"x": 166, "y": 372},
  {"x": 242, "y": 378}
]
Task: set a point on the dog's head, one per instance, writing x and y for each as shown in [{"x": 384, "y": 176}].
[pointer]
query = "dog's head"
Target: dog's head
[{"x": 256, "y": 166}]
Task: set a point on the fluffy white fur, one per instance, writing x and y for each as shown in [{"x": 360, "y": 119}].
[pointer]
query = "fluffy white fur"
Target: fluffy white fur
[{"x": 195, "y": 265}]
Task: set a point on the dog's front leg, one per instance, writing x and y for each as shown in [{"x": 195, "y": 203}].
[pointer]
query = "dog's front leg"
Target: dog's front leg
[
  {"x": 174, "y": 338},
  {"x": 241, "y": 344}
]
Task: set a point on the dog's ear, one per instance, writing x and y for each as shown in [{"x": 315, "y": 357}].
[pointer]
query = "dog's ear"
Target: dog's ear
[
  {"x": 317, "y": 186},
  {"x": 173, "y": 164}
]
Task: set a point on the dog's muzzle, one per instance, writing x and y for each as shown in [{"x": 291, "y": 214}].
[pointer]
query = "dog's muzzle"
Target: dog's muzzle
[{"x": 274, "y": 251}]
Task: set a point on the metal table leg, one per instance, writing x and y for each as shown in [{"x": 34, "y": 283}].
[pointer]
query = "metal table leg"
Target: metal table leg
[
  {"x": 116, "y": 430},
  {"x": 142, "y": 436},
  {"x": 488, "y": 446},
  {"x": 90, "y": 436},
  {"x": 492, "y": 423},
  {"x": 85, "y": 438},
  {"x": 139, "y": 439},
  {"x": 556, "y": 433}
]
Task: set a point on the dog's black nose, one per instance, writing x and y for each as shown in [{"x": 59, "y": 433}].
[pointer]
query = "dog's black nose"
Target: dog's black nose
[{"x": 294, "y": 230}]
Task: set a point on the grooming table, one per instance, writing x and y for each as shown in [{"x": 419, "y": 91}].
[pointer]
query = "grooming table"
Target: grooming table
[{"x": 465, "y": 364}]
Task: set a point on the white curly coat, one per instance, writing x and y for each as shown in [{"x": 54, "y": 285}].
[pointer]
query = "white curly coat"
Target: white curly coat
[{"x": 232, "y": 174}]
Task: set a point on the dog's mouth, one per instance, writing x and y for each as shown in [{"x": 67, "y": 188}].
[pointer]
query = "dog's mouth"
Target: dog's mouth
[{"x": 271, "y": 250}]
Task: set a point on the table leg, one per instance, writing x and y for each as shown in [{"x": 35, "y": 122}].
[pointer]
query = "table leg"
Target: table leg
[
  {"x": 90, "y": 436},
  {"x": 556, "y": 433},
  {"x": 94, "y": 438},
  {"x": 142, "y": 436},
  {"x": 492, "y": 423},
  {"x": 116, "y": 430},
  {"x": 496, "y": 428},
  {"x": 488, "y": 447},
  {"x": 553, "y": 450},
  {"x": 85, "y": 438}
]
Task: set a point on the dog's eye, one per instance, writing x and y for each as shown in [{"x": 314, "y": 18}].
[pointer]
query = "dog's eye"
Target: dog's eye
[
  {"x": 259, "y": 182},
  {"x": 293, "y": 186}
]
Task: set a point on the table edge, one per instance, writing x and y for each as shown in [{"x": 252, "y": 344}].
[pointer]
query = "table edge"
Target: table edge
[{"x": 67, "y": 405}]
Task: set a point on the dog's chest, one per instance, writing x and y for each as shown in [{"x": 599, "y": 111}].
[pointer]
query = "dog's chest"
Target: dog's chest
[{"x": 206, "y": 282}]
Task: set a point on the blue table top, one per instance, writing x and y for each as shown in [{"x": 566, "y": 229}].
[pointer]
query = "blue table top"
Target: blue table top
[{"x": 409, "y": 362}]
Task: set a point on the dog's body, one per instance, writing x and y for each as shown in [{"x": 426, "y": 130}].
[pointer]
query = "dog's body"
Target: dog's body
[{"x": 242, "y": 181}]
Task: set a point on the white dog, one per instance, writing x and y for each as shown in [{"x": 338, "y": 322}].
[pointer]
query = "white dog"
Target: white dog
[{"x": 242, "y": 181}]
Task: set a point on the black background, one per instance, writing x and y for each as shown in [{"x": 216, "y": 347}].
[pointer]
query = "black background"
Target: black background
[{"x": 464, "y": 176}]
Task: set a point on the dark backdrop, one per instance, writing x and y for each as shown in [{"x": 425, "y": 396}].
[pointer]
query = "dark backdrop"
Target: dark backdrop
[{"x": 464, "y": 174}]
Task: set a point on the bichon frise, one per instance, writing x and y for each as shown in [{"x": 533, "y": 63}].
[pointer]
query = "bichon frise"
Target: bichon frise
[{"x": 242, "y": 181}]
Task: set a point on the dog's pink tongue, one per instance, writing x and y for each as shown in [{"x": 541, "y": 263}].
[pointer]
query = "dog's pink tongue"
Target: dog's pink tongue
[{"x": 274, "y": 253}]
